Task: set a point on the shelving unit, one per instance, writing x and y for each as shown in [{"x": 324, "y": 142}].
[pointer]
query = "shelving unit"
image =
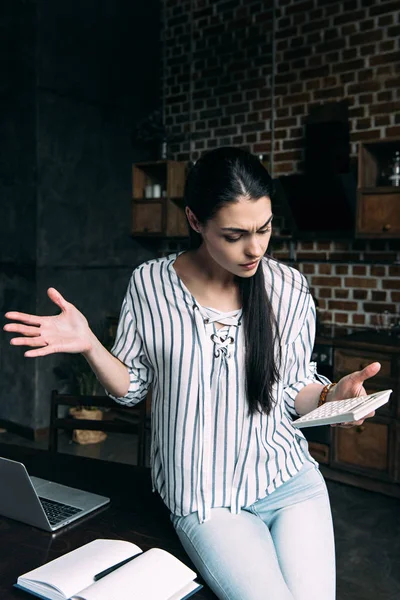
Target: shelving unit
[
  {"x": 158, "y": 214},
  {"x": 378, "y": 203}
]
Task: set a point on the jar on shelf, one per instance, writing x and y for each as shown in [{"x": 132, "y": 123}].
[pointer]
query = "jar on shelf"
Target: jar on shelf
[{"x": 394, "y": 178}]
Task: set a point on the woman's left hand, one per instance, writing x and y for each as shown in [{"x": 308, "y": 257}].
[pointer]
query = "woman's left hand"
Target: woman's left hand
[{"x": 351, "y": 386}]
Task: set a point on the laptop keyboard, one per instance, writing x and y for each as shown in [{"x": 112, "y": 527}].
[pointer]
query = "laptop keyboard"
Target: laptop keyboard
[{"x": 56, "y": 511}]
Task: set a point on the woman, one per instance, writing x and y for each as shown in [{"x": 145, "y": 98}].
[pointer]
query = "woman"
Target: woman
[{"x": 224, "y": 335}]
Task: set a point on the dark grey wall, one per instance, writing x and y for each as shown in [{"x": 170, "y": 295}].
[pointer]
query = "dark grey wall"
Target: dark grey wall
[
  {"x": 17, "y": 197},
  {"x": 97, "y": 72}
]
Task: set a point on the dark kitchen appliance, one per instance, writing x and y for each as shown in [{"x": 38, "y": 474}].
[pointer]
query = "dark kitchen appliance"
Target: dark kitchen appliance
[
  {"x": 318, "y": 208},
  {"x": 323, "y": 356},
  {"x": 322, "y": 201}
]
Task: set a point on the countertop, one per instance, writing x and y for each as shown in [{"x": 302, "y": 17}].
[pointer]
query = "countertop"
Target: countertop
[{"x": 364, "y": 339}]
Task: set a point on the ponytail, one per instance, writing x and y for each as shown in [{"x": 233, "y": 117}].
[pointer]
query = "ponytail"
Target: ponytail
[{"x": 262, "y": 356}]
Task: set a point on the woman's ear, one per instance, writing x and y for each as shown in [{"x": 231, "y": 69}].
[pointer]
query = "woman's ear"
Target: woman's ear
[{"x": 193, "y": 221}]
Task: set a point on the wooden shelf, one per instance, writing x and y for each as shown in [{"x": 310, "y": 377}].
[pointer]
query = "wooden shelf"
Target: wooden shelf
[
  {"x": 374, "y": 157},
  {"x": 378, "y": 204},
  {"x": 163, "y": 215},
  {"x": 387, "y": 189}
]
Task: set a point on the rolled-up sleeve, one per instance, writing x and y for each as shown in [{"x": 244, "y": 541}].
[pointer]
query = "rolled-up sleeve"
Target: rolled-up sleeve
[
  {"x": 129, "y": 349},
  {"x": 300, "y": 370}
]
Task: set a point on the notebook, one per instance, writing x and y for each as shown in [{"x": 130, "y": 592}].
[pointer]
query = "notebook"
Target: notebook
[
  {"x": 122, "y": 571},
  {"x": 41, "y": 503}
]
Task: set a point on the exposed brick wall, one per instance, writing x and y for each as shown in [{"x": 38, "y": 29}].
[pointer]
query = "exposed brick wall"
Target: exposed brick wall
[
  {"x": 330, "y": 51},
  {"x": 218, "y": 74},
  {"x": 348, "y": 293},
  {"x": 219, "y": 89}
]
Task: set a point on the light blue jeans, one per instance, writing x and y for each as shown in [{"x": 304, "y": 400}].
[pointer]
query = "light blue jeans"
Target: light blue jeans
[{"x": 279, "y": 548}]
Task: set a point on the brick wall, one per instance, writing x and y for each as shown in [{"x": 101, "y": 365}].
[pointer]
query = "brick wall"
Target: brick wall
[
  {"x": 354, "y": 282},
  {"x": 328, "y": 51},
  {"x": 236, "y": 74}
]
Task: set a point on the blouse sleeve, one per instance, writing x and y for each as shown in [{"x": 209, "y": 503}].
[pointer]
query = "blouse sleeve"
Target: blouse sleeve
[
  {"x": 300, "y": 370},
  {"x": 129, "y": 349}
]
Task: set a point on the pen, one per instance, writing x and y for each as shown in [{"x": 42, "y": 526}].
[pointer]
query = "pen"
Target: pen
[{"x": 114, "y": 567}]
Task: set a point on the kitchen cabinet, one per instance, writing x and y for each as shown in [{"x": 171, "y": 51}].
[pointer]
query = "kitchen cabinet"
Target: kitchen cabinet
[
  {"x": 378, "y": 202},
  {"x": 365, "y": 449},
  {"x": 367, "y": 456},
  {"x": 157, "y": 199}
]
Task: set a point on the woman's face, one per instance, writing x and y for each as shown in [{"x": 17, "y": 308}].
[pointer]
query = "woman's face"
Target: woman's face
[{"x": 239, "y": 234}]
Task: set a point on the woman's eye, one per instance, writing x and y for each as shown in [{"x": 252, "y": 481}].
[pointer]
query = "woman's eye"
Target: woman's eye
[
  {"x": 236, "y": 239},
  {"x": 232, "y": 239}
]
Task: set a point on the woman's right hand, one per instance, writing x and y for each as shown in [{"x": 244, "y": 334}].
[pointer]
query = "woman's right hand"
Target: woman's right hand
[{"x": 68, "y": 331}]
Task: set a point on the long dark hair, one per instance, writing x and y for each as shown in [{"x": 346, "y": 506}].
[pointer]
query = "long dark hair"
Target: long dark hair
[{"x": 220, "y": 177}]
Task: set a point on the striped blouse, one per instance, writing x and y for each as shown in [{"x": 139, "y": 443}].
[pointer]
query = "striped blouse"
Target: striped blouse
[{"x": 206, "y": 450}]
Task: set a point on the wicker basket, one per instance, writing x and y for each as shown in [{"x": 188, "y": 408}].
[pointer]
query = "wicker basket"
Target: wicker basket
[{"x": 87, "y": 436}]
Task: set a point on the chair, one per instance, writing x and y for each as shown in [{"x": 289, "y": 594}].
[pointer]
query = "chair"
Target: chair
[{"x": 137, "y": 423}]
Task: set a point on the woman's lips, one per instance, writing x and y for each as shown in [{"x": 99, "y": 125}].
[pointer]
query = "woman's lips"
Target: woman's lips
[{"x": 250, "y": 266}]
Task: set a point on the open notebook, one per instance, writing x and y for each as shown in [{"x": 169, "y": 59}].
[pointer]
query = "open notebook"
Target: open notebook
[{"x": 151, "y": 575}]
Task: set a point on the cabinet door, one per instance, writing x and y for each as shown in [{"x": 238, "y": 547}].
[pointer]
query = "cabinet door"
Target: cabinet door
[
  {"x": 147, "y": 218},
  {"x": 365, "y": 449},
  {"x": 346, "y": 361},
  {"x": 320, "y": 452},
  {"x": 378, "y": 215}
]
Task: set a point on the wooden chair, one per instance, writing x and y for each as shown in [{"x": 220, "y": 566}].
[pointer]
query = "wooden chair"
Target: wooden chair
[{"x": 138, "y": 422}]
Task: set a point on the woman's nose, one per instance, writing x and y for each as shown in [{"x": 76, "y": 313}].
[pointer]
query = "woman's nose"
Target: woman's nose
[{"x": 254, "y": 247}]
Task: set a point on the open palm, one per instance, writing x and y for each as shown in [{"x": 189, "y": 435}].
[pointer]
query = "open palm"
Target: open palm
[
  {"x": 66, "y": 332},
  {"x": 352, "y": 385}
]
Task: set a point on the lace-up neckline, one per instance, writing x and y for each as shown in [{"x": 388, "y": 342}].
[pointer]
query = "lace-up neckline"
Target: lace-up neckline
[{"x": 221, "y": 337}]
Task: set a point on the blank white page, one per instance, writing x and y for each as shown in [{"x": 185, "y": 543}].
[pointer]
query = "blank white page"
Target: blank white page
[
  {"x": 154, "y": 575},
  {"x": 74, "y": 571}
]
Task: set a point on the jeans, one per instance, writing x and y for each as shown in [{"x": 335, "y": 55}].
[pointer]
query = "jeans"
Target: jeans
[{"x": 279, "y": 548}]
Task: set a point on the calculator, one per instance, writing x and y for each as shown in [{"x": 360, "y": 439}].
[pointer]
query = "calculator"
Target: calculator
[{"x": 343, "y": 411}]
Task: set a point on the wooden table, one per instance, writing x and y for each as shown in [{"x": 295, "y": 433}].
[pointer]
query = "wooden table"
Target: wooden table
[{"x": 136, "y": 514}]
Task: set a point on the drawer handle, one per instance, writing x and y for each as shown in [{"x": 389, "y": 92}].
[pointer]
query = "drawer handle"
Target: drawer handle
[
  {"x": 360, "y": 428},
  {"x": 387, "y": 227}
]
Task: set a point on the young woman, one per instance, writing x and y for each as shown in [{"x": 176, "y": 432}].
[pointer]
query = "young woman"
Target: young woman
[{"x": 224, "y": 335}]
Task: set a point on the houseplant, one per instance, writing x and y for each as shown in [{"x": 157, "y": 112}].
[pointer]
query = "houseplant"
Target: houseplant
[
  {"x": 152, "y": 130},
  {"x": 88, "y": 385},
  {"x": 78, "y": 379}
]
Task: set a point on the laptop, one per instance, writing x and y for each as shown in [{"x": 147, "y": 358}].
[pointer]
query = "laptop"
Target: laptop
[{"x": 39, "y": 502}]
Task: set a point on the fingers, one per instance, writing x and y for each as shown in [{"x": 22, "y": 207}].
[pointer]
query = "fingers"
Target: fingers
[
  {"x": 40, "y": 352},
  {"x": 33, "y": 342},
  {"x": 361, "y": 421},
  {"x": 24, "y": 318},
  {"x": 369, "y": 371},
  {"x": 354, "y": 423},
  {"x": 23, "y": 329},
  {"x": 56, "y": 297}
]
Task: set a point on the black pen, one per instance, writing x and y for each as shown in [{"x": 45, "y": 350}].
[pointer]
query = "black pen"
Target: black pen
[{"x": 114, "y": 567}]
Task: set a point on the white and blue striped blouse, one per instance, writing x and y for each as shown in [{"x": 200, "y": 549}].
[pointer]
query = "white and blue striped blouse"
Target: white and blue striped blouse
[{"x": 206, "y": 450}]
